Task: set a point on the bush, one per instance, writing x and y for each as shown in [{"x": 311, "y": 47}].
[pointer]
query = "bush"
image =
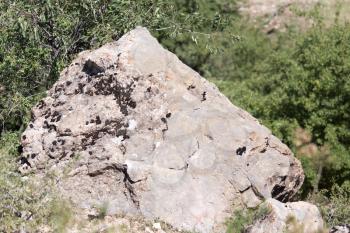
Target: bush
[
  {"x": 242, "y": 219},
  {"x": 334, "y": 206},
  {"x": 21, "y": 204},
  {"x": 303, "y": 85}
]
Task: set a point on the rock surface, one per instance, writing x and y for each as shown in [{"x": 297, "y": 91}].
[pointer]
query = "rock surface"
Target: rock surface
[
  {"x": 130, "y": 125},
  {"x": 343, "y": 228},
  {"x": 289, "y": 217}
]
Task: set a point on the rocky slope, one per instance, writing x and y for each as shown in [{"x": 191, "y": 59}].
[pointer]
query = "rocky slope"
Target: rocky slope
[{"x": 130, "y": 125}]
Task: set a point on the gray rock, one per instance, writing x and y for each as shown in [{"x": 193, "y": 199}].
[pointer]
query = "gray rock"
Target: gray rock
[
  {"x": 130, "y": 125},
  {"x": 342, "y": 228},
  {"x": 289, "y": 217}
]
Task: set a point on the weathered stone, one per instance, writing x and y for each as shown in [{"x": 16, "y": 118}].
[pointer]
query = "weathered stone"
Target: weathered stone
[
  {"x": 289, "y": 217},
  {"x": 130, "y": 125},
  {"x": 342, "y": 228}
]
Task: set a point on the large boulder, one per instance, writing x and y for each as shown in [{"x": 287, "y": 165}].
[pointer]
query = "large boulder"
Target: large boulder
[{"x": 130, "y": 125}]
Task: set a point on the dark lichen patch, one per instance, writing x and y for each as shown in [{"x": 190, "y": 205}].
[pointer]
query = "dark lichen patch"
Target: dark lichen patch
[
  {"x": 56, "y": 116},
  {"x": 66, "y": 132},
  {"x": 61, "y": 141},
  {"x": 89, "y": 92},
  {"x": 57, "y": 103},
  {"x": 59, "y": 88},
  {"x": 241, "y": 150},
  {"x": 47, "y": 113},
  {"x": 81, "y": 87},
  {"x": 91, "y": 68},
  {"x": 109, "y": 85},
  {"x": 111, "y": 127},
  {"x": 41, "y": 104},
  {"x": 204, "y": 96},
  {"x": 163, "y": 120},
  {"x": 50, "y": 127},
  {"x": 191, "y": 87}
]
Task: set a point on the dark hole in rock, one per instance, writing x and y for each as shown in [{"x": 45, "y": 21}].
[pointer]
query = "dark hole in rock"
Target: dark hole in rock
[
  {"x": 68, "y": 83},
  {"x": 24, "y": 137},
  {"x": 98, "y": 120},
  {"x": 20, "y": 149},
  {"x": 163, "y": 120},
  {"x": 24, "y": 160},
  {"x": 241, "y": 150},
  {"x": 149, "y": 89},
  {"x": 168, "y": 115},
  {"x": 91, "y": 68},
  {"x": 276, "y": 191}
]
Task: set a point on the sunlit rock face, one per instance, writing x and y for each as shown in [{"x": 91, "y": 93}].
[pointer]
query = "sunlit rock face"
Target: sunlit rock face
[{"x": 130, "y": 125}]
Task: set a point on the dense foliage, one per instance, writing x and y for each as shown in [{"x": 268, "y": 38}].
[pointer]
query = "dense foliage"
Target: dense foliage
[{"x": 298, "y": 84}]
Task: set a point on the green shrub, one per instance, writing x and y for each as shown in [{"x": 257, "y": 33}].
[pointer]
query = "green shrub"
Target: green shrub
[
  {"x": 334, "y": 204},
  {"x": 242, "y": 219},
  {"x": 303, "y": 85},
  {"x": 21, "y": 204}
]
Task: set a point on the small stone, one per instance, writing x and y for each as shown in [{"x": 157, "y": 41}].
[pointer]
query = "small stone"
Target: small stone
[
  {"x": 148, "y": 230},
  {"x": 157, "y": 226}
]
